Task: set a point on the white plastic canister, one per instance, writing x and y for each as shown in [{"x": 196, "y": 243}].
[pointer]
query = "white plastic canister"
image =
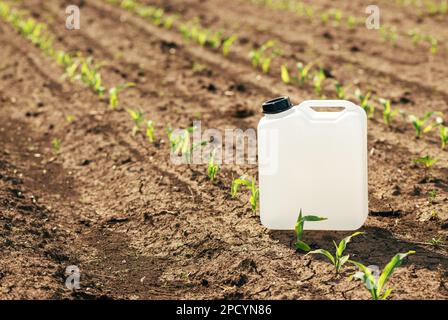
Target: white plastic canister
[{"x": 313, "y": 157}]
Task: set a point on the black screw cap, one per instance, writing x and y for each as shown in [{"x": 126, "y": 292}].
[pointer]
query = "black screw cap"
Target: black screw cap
[{"x": 277, "y": 105}]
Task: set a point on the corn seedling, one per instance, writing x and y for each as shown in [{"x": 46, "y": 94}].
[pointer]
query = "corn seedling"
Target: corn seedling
[
  {"x": 338, "y": 260},
  {"x": 115, "y": 91},
  {"x": 227, "y": 44},
  {"x": 56, "y": 145},
  {"x": 374, "y": 285},
  {"x": 389, "y": 34},
  {"x": 262, "y": 57},
  {"x": 302, "y": 71},
  {"x": 340, "y": 90},
  {"x": 91, "y": 77},
  {"x": 435, "y": 242},
  {"x": 420, "y": 124},
  {"x": 364, "y": 102},
  {"x": 318, "y": 78},
  {"x": 388, "y": 113},
  {"x": 285, "y": 74},
  {"x": 150, "y": 131},
  {"x": 300, "y": 245},
  {"x": 443, "y": 134},
  {"x": 251, "y": 185},
  {"x": 433, "y": 44},
  {"x": 427, "y": 161},
  {"x": 432, "y": 195},
  {"x": 212, "y": 168},
  {"x": 69, "y": 118},
  {"x": 351, "y": 21},
  {"x": 138, "y": 118},
  {"x": 180, "y": 143}
]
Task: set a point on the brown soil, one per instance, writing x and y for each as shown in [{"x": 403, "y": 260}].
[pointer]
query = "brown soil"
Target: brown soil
[{"x": 139, "y": 227}]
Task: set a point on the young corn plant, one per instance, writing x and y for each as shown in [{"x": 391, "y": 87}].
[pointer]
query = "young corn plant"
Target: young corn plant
[
  {"x": 213, "y": 167},
  {"x": 427, "y": 162},
  {"x": 302, "y": 72},
  {"x": 227, "y": 44},
  {"x": 364, "y": 102},
  {"x": 90, "y": 75},
  {"x": 300, "y": 245},
  {"x": 376, "y": 286},
  {"x": 340, "y": 90},
  {"x": 251, "y": 185},
  {"x": 285, "y": 74},
  {"x": 150, "y": 131},
  {"x": 388, "y": 113},
  {"x": 443, "y": 134},
  {"x": 56, "y": 145},
  {"x": 420, "y": 124},
  {"x": 318, "y": 78},
  {"x": 180, "y": 143},
  {"x": 115, "y": 91},
  {"x": 138, "y": 118},
  {"x": 339, "y": 259},
  {"x": 263, "y": 56}
]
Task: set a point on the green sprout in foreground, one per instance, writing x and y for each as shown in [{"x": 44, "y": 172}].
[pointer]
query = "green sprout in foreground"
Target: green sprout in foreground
[
  {"x": 318, "y": 78},
  {"x": 443, "y": 133},
  {"x": 338, "y": 260},
  {"x": 227, "y": 44},
  {"x": 115, "y": 91},
  {"x": 150, "y": 131},
  {"x": 212, "y": 168},
  {"x": 302, "y": 71},
  {"x": 251, "y": 185},
  {"x": 180, "y": 142},
  {"x": 300, "y": 245},
  {"x": 364, "y": 101},
  {"x": 56, "y": 145},
  {"x": 388, "y": 113},
  {"x": 374, "y": 285},
  {"x": 138, "y": 118},
  {"x": 420, "y": 124},
  {"x": 284, "y": 74},
  {"x": 427, "y": 161}
]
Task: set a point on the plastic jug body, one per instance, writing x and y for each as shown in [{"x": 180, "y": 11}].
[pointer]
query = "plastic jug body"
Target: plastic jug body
[{"x": 316, "y": 161}]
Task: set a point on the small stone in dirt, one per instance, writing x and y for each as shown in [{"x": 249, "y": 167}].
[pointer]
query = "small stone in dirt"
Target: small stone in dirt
[
  {"x": 85, "y": 162},
  {"x": 397, "y": 191},
  {"x": 117, "y": 219},
  {"x": 243, "y": 113},
  {"x": 444, "y": 225},
  {"x": 241, "y": 281},
  {"x": 204, "y": 282},
  {"x": 40, "y": 104},
  {"x": 327, "y": 35},
  {"x": 211, "y": 87},
  {"x": 248, "y": 264},
  {"x": 416, "y": 191}
]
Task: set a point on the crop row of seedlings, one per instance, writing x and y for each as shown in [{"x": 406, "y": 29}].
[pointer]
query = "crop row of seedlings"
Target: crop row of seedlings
[
  {"x": 374, "y": 283},
  {"x": 191, "y": 30},
  {"x": 306, "y": 74},
  {"x": 76, "y": 67},
  {"x": 262, "y": 57},
  {"x": 426, "y": 6},
  {"x": 337, "y": 18},
  {"x": 83, "y": 69}
]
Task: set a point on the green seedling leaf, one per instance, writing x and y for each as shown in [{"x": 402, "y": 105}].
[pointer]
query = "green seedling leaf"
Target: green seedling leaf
[
  {"x": 285, "y": 74},
  {"x": 338, "y": 260},
  {"x": 299, "y": 229}
]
